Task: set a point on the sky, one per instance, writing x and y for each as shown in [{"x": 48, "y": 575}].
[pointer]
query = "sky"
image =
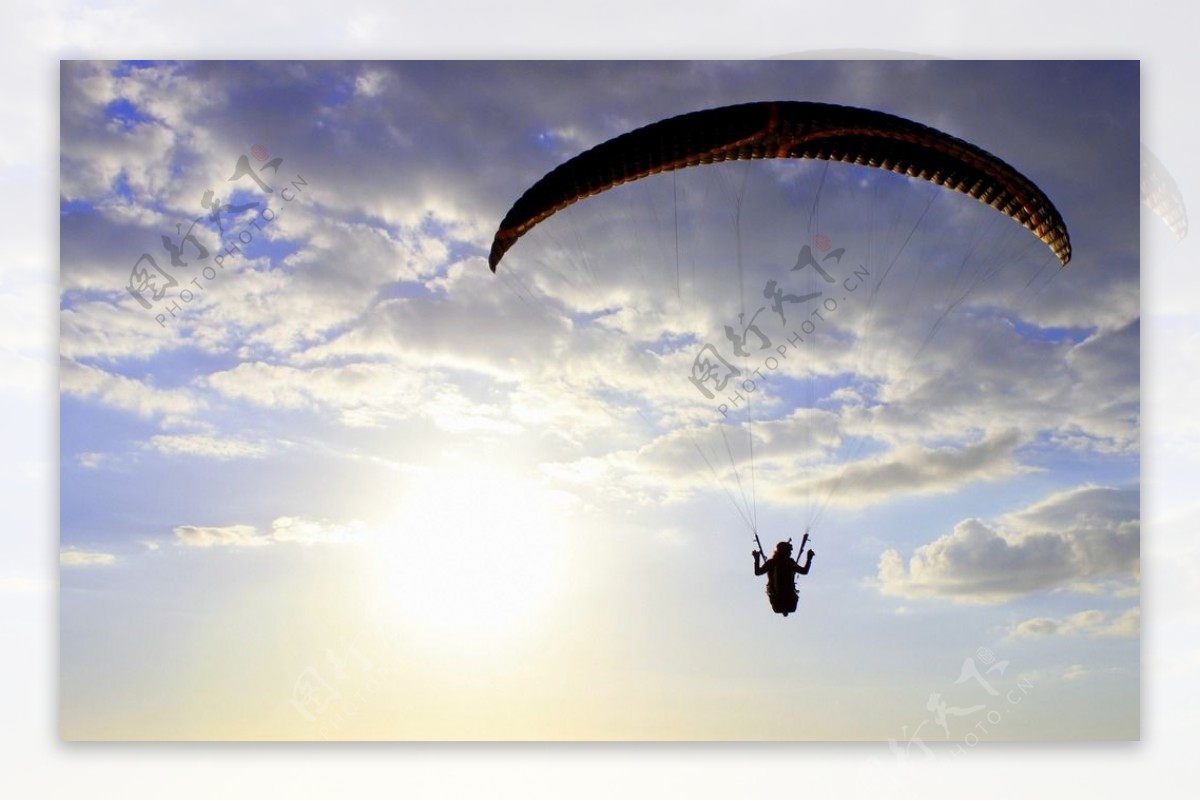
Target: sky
[{"x": 357, "y": 487}]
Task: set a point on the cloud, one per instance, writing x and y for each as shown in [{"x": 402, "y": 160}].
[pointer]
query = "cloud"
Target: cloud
[
  {"x": 913, "y": 469},
  {"x": 379, "y": 307},
  {"x": 676, "y": 464},
  {"x": 238, "y": 536},
  {"x": 97, "y": 151},
  {"x": 1071, "y": 538},
  {"x": 362, "y": 394},
  {"x": 1079, "y": 389},
  {"x": 206, "y": 446},
  {"x": 370, "y": 82},
  {"x": 126, "y": 394},
  {"x": 370, "y": 304},
  {"x": 283, "y": 530},
  {"x": 1090, "y": 623},
  {"x": 91, "y": 460},
  {"x": 73, "y": 558},
  {"x": 309, "y": 532},
  {"x": 1075, "y": 672},
  {"x": 105, "y": 330}
]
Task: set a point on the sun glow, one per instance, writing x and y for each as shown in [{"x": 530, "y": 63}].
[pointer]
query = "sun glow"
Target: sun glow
[{"x": 472, "y": 551}]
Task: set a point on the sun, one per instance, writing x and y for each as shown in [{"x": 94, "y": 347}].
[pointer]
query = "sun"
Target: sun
[{"x": 472, "y": 551}]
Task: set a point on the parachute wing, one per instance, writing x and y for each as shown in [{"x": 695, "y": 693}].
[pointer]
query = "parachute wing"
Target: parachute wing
[
  {"x": 1161, "y": 194},
  {"x": 788, "y": 129}
]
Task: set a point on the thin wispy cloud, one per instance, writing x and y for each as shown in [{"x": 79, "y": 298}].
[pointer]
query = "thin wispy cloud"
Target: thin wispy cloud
[
  {"x": 1090, "y": 623},
  {"x": 70, "y": 557},
  {"x": 282, "y": 530}
]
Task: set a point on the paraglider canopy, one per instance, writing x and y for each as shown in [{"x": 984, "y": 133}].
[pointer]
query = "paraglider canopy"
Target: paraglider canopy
[
  {"x": 831, "y": 134},
  {"x": 788, "y": 129}
]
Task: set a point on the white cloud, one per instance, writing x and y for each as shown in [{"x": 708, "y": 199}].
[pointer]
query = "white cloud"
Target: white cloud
[
  {"x": 91, "y": 460},
  {"x": 104, "y": 330},
  {"x": 682, "y": 461},
  {"x": 913, "y": 469},
  {"x": 138, "y": 155},
  {"x": 126, "y": 394},
  {"x": 379, "y": 310},
  {"x": 982, "y": 371},
  {"x": 237, "y": 536},
  {"x": 362, "y": 394},
  {"x": 283, "y": 530},
  {"x": 338, "y": 340},
  {"x": 1090, "y": 623},
  {"x": 1071, "y": 538},
  {"x": 74, "y": 558},
  {"x": 370, "y": 83},
  {"x": 207, "y": 446},
  {"x": 311, "y": 532},
  {"x": 1075, "y": 672}
]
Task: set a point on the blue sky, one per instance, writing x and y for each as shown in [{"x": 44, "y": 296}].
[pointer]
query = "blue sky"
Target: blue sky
[{"x": 315, "y": 416}]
